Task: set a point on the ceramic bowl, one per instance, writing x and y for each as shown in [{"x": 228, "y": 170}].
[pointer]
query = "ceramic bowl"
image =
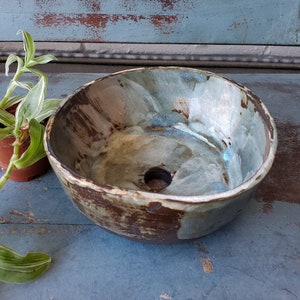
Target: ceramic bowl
[{"x": 161, "y": 154}]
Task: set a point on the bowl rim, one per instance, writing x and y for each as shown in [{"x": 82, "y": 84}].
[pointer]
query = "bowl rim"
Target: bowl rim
[{"x": 245, "y": 186}]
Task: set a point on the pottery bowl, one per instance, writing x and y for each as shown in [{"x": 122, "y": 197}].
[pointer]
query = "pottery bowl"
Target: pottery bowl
[{"x": 161, "y": 154}]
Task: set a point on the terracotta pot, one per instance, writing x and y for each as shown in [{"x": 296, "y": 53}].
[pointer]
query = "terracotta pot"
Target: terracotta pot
[{"x": 37, "y": 169}]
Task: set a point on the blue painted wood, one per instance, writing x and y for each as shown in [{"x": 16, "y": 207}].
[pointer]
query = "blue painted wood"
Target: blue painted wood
[
  {"x": 254, "y": 257},
  {"x": 157, "y": 21}
]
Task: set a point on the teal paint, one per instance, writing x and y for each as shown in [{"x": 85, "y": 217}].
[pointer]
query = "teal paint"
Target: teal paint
[{"x": 158, "y": 21}]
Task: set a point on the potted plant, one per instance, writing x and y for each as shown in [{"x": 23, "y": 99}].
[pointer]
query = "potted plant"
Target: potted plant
[
  {"x": 22, "y": 116},
  {"x": 23, "y": 113}
]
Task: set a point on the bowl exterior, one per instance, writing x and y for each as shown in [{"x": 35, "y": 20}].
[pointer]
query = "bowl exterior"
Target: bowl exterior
[
  {"x": 148, "y": 219},
  {"x": 143, "y": 215}
]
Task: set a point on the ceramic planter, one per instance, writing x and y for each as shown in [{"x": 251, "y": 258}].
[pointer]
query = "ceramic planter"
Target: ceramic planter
[
  {"x": 161, "y": 154},
  {"x": 25, "y": 174}
]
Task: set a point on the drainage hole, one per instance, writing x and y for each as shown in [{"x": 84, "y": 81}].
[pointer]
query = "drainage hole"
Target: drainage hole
[{"x": 157, "y": 179}]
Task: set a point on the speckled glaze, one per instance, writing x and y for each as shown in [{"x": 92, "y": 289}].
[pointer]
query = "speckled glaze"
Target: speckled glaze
[{"x": 209, "y": 138}]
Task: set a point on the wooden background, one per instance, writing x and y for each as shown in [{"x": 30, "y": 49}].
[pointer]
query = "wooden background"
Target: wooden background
[{"x": 268, "y": 22}]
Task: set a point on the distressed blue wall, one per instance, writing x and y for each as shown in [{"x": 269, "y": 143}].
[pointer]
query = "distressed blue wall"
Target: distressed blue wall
[{"x": 156, "y": 21}]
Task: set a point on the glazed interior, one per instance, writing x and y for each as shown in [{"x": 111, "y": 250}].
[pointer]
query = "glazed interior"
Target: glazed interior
[{"x": 176, "y": 131}]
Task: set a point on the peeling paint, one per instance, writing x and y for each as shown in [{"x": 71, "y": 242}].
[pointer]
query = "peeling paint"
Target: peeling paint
[
  {"x": 236, "y": 25},
  {"x": 167, "y": 4},
  {"x": 93, "y": 5},
  {"x": 98, "y": 23},
  {"x": 98, "y": 20},
  {"x": 42, "y": 230},
  {"x": 206, "y": 264},
  {"x": 61, "y": 20},
  {"x": 164, "y": 23},
  {"x": 41, "y": 3},
  {"x": 95, "y": 21},
  {"x": 28, "y": 216}
]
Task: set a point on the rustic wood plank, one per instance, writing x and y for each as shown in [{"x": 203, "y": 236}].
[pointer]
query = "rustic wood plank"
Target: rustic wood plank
[{"x": 159, "y": 21}]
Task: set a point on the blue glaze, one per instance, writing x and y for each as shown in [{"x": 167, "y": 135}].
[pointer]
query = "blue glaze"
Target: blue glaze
[{"x": 227, "y": 154}]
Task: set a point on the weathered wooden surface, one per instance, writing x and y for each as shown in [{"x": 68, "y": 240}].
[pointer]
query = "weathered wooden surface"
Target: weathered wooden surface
[
  {"x": 158, "y": 21},
  {"x": 257, "y": 256}
]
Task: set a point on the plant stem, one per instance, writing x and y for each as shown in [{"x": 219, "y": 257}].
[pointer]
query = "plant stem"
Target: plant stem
[{"x": 11, "y": 165}]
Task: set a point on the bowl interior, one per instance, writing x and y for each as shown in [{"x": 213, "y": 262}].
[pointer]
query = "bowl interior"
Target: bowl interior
[{"x": 175, "y": 131}]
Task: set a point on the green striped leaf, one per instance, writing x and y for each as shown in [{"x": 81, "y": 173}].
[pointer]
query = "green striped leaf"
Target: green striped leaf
[
  {"x": 10, "y": 60},
  {"x": 40, "y": 60},
  {"x": 6, "y": 118},
  {"x": 49, "y": 107},
  {"x": 6, "y": 132},
  {"x": 29, "y": 46},
  {"x": 15, "y": 268},
  {"x": 36, "y": 150},
  {"x": 32, "y": 104}
]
